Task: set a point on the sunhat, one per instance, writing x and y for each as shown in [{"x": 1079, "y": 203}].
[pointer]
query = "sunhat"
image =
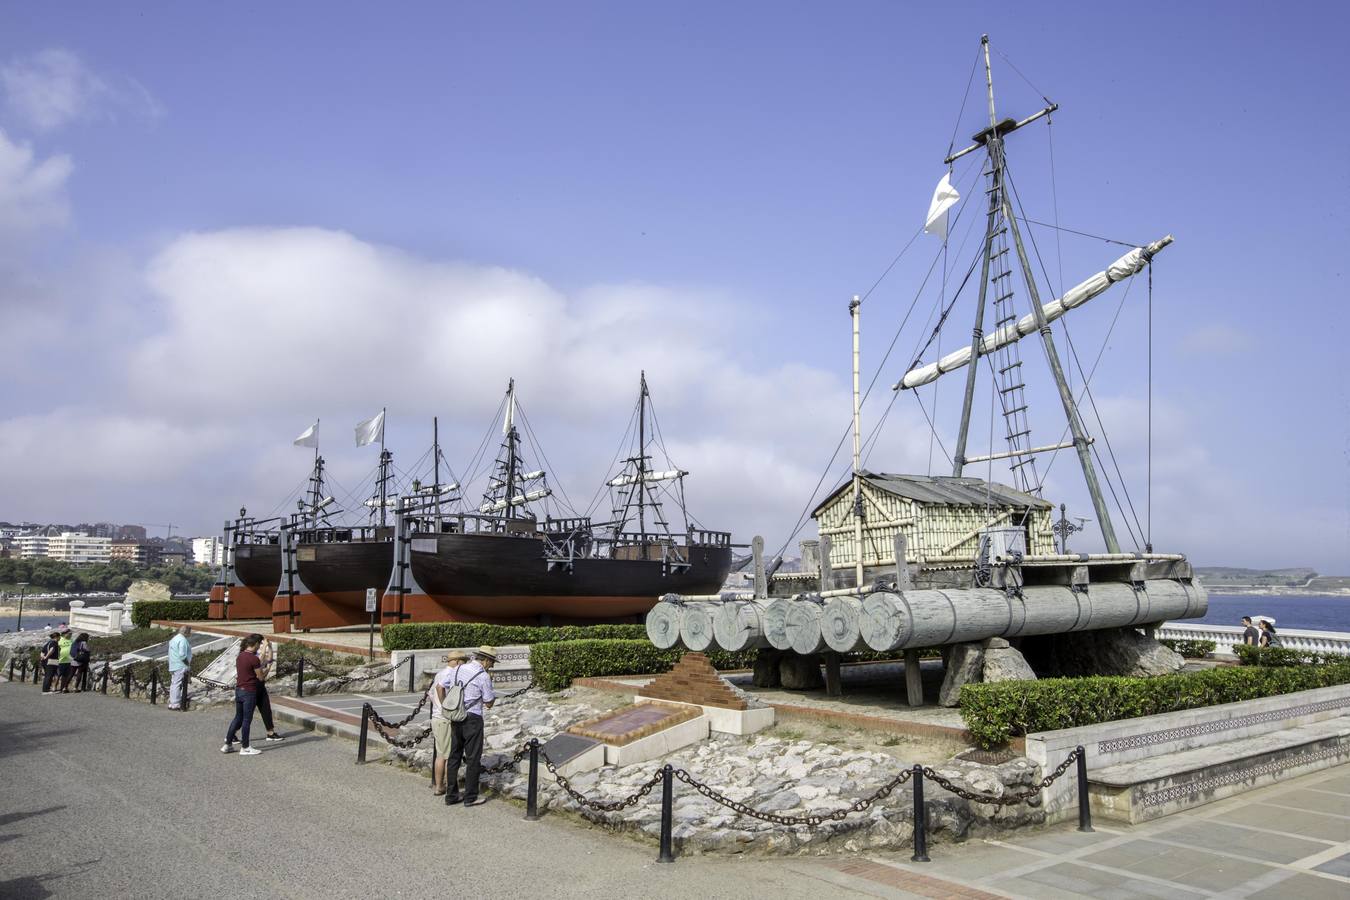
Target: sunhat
[
  {"x": 486, "y": 653},
  {"x": 456, "y": 654}
]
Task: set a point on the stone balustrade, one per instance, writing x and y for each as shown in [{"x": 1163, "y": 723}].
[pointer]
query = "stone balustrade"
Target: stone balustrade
[
  {"x": 1225, "y": 636},
  {"x": 103, "y": 620}
]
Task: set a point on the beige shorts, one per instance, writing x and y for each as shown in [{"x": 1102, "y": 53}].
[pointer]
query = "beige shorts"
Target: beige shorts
[{"x": 440, "y": 730}]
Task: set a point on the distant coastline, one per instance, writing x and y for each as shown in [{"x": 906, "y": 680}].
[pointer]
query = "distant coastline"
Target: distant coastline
[{"x": 1273, "y": 591}]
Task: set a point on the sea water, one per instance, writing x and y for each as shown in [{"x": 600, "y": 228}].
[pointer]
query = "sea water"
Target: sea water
[{"x": 1301, "y": 612}]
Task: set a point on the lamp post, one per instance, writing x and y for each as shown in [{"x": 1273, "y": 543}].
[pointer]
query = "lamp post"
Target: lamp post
[{"x": 23, "y": 587}]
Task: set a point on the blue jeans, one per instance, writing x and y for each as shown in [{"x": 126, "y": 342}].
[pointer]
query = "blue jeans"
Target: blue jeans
[{"x": 244, "y": 704}]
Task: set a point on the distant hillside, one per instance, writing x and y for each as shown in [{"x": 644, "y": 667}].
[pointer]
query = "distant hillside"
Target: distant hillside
[{"x": 1221, "y": 578}]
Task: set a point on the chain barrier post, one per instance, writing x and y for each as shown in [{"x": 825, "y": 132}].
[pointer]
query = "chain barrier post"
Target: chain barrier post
[
  {"x": 532, "y": 794},
  {"x": 126, "y": 683},
  {"x": 667, "y": 808},
  {"x": 23, "y": 670},
  {"x": 154, "y": 684},
  {"x": 920, "y": 819},
  {"x": 1084, "y": 804},
  {"x": 365, "y": 732},
  {"x": 411, "y": 673},
  {"x": 107, "y": 667},
  {"x": 36, "y": 671},
  {"x": 300, "y": 678},
  {"x": 11, "y": 670}
]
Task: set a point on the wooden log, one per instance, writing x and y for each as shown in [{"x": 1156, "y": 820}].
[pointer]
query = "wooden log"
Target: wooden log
[
  {"x": 761, "y": 580},
  {"x": 737, "y": 626},
  {"x": 913, "y": 679},
  {"x": 696, "y": 626},
  {"x": 834, "y": 682},
  {"x": 892, "y": 620},
  {"x": 663, "y": 624},
  {"x": 826, "y": 569},
  {"x": 773, "y": 620},
  {"x": 841, "y": 624},
  {"x": 802, "y": 627}
]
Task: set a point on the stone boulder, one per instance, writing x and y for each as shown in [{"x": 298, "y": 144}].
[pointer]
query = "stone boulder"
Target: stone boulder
[
  {"x": 1111, "y": 651},
  {"x": 766, "y": 669},
  {"x": 965, "y": 665},
  {"x": 800, "y": 673},
  {"x": 1005, "y": 663}
]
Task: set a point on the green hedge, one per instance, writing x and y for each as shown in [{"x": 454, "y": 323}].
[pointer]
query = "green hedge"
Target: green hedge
[
  {"x": 1249, "y": 655},
  {"x": 425, "y": 635},
  {"x": 557, "y": 663},
  {"x": 994, "y": 712},
  {"x": 143, "y": 612},
  {"x": 1189, "y": 648}
]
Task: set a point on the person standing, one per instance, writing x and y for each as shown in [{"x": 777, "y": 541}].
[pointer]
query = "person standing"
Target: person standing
[
  {"x": 1249, "y": 633},
  {"x": 64, "y": 643},
  {"x": 248, "y": 673},
  {"x": 79, "y": 662},
  {"x": 440, "y": 725},
  {"x": 180, "y": 667},
  {"x": 267, "y": 654},
  {"x": 466, "y": 737},
  {"x": 51, "y": 651},
  {"x": 1268, "y": 636}
]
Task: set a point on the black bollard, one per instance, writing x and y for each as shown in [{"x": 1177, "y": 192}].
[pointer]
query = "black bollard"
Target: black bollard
[
  {"x": 1084, "y": 803},
  {"x": 11, "y": 670},
  {"x": 365, "y": 732},
  {"x": 37, "y": 671},
  {"x": 126, "y": 683},
  {"x": 107, "y": 667},
  {"x": 23, "y": 670},
  {"x": 667, "y": 809},
  {"x": 532, "y": 794},
  {"x": 154, "y": 684},
  {"x": 300, "y": 678},
  {"x": 920, "y": 819},
  {"x": 412, "y": 673}
]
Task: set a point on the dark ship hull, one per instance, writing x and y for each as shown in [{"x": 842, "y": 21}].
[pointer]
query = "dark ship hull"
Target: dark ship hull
[
  {"x": 257, "y": 571},
  {"x": 332, "y": 577},
  {"x": 506, "y": 579}
]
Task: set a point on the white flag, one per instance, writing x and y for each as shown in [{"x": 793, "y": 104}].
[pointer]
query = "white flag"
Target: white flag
[
  {"x": 370, "y": 431},
  {"x": 944, "y": 198},
  {"x": 310, "y": 438}
]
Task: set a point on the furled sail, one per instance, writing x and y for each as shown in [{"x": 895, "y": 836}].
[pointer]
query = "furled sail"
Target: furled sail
[
  {"x": 517, "y": 500},
  {"x": 1129, "y": 264},
  {"x": 622, "y": 480}
]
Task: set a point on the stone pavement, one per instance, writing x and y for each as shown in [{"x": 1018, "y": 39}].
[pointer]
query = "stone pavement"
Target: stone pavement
[
  {"x": 1289, "y": 840},
  {"x": 340, "y": 714}
]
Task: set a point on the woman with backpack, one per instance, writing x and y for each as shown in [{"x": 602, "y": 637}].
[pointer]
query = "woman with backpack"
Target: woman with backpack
[
  {"x": 1268, "y": 636},
  {"x": 79, "y": 662}
]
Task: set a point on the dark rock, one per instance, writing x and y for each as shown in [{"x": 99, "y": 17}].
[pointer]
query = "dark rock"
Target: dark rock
[
  {"x": 1111, "y": 651},
  {"x": 800, "y": 673},
  {"x": 766, "y": 669}
]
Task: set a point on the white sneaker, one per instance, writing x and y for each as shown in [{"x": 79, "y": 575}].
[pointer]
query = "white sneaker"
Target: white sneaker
[
  {"x": 227, "y": 748},
  {"x": 249, "y": 751}
]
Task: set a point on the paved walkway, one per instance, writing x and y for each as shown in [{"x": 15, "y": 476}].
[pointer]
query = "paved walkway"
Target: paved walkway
[{"x": 104, "y": 797}]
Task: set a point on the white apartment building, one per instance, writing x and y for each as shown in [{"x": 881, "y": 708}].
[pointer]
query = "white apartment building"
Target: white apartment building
[
  {"x": 31, "y": 546},
  {"x": 208, "y": 551},
  {"x": 79, "y": 548}
]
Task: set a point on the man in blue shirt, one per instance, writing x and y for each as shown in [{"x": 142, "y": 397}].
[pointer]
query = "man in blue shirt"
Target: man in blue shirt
[
  {"x": 180, "y": 666},
  {"x": 466, "y": 738}
]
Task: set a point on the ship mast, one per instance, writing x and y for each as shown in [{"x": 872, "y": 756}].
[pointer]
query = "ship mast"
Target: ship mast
[
  {"x": 510, "y": 444},
  {"x": 436, "y": 467},
  {"x": 1001, "y": 202},
  {"x": 642, "y": 461},
  {"x": 855, "y": 311},
  {"x": 386, "y": 459}
]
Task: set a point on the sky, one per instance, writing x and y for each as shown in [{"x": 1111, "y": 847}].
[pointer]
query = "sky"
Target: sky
[{"x": 218, "y": 224}]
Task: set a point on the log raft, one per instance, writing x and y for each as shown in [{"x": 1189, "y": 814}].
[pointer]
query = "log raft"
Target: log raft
[{"x": 891, "y": 619}]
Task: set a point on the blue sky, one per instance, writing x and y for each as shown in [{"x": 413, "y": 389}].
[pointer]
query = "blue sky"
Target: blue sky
[{"x": 252, "y": 216}]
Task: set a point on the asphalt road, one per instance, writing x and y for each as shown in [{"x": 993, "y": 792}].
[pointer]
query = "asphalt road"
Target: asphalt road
[{"x": 102, "y": 798}]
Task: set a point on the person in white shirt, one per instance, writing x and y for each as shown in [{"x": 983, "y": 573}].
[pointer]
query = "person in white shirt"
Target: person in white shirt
[
  {"x": 440, "y": 726},
  {"x": 466, "y": 737}
]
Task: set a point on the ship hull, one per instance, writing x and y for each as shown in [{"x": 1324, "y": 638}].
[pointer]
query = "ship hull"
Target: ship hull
[
  {"x": 257, "y": 571},
  {"x": 332, "y": 579},
  {"x": 505, "y": 579}
]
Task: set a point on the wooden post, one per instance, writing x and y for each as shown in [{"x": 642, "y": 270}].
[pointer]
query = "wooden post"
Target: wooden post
[
  {"x": 761, "y": 580},
  {"x": 913, "y": 678},
  {"x": 833, "y": 686},
  {"x": 826, "y": 573},
  {"x": 902, "y": 582}
]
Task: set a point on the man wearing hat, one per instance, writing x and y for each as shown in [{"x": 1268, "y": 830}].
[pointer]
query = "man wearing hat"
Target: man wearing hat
[
  {"x": 440, "y": 726},
  {"x": 466, "y": 738}
]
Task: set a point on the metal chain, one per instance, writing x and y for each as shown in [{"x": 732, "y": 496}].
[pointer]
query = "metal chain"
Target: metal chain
[
  {"x": 382, "y": 721},
  {"x": 602, "y": 805},
  {"x": 502, "y": 766},
  {"x": 813, "y": 820},
  {"x": 1007, "y": 799}
]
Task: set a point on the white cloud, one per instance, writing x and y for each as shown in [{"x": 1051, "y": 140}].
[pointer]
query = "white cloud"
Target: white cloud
[
  {"x": 32, "y": 190},
  {"x": 54, "y": 87}
]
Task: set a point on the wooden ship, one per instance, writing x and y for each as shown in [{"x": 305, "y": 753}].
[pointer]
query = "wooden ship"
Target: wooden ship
[{"x": 910, "y": 562}]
